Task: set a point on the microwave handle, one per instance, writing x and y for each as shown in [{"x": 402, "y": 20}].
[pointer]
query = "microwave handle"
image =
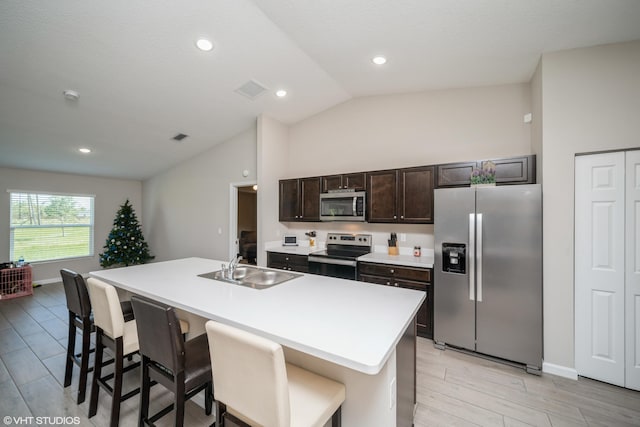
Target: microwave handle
[{"x": 355, "y": 199}]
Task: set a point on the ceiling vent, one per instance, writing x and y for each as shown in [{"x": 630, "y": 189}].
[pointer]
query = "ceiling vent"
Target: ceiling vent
[
  {"x": 179, "y": 137},
  {"x": 251, "y": 89}
]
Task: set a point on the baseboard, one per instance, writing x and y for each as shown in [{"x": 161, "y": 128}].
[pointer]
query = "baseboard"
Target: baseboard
[
  {"x": 47, "y": 281},
  {"x": 561, "y": 371}
]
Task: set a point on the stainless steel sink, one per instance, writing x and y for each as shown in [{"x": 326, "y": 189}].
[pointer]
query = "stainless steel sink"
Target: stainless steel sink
[{"x": 253, "y": 277}]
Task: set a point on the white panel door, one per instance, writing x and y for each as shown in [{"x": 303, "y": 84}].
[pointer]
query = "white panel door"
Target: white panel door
[
  {"x": 599, "y": 267},
  {"x": 632, "y": 282}
]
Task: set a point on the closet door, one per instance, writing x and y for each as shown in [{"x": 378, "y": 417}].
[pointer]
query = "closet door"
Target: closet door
[
  {"x": 599, "y": 267},
  {"x": 632, "y": 284}
]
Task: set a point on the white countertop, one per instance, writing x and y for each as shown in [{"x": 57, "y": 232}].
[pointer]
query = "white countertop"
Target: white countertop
[
  {"x": 424, "y": 261},
  {"x": 353, "y": 324}
]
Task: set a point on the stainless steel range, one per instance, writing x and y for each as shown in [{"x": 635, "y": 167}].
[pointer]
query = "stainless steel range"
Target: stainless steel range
[{"x": 340, "y": 257}]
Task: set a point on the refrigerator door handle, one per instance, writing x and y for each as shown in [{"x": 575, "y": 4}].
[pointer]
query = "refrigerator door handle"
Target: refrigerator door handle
[
  {"x": 479, "y": 256},
  {"x": 472, "y": 256}
]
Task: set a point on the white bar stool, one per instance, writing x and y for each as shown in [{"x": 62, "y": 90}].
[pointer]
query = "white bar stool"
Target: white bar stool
[{"x": 251, "y": 378}]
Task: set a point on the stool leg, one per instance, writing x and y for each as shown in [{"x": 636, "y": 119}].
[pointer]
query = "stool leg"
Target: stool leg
[
  {"x": 144, "y": 393},
  {"x": 97, "y": 372},
  {"x": 117, "y": 383},
  {"x": 178, "y": 395},
  {"x": 71, "y": 345},
  {"x": 84, "y": 360},
  {"x": 208, "y": 398}
]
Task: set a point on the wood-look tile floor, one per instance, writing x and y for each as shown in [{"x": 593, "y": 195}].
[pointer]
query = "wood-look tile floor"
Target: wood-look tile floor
[{"x": 453, "y": 389}]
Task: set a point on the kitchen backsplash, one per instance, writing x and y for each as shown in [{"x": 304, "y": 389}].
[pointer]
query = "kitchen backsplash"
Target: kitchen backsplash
[{"x": 409, "y": 235}]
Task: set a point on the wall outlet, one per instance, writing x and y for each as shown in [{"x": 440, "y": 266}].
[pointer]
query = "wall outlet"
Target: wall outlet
[
  {"x": 403, "y": 237},
  {"x": 392, "y": 393}
]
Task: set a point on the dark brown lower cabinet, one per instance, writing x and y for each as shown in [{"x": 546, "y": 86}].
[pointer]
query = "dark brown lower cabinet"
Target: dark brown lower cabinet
[
  {"x": 288, "y": 262},
  {"x": 408, "y": 278}
]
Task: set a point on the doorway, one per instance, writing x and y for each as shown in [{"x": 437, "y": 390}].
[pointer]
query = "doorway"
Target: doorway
[{"x": 246, "y": 223}]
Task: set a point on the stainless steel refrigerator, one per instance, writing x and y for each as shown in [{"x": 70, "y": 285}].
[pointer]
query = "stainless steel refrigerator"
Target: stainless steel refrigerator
[{"x": 488, "y": 271}]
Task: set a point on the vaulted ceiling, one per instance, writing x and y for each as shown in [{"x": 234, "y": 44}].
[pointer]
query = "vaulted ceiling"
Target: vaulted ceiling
[{"x": 141, "y": 80}]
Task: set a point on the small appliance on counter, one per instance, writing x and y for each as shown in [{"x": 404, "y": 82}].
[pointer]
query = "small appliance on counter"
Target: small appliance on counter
[{"x": 289, "y": 240}]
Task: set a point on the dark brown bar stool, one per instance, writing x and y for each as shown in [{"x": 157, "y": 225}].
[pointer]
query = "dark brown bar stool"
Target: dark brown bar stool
[
  {"x": 120, "y": 336},
  {"x": 80, "y": 318},
  {"x": 182, "y": 367}
]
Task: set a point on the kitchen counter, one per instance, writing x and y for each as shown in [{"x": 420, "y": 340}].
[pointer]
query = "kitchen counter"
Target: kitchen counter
[
  {"x": 338, "y": 323},
  {"x": 293, "y": 250}
]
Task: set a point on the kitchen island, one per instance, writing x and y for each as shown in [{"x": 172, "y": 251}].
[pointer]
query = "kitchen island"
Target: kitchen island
[{"x": 360, "y": 334}]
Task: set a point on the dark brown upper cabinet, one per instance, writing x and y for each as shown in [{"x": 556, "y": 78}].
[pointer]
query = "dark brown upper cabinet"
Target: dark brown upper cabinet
[
  {"x": 401, "y": 195},
  {"x": 415, "y": 195},
  {"x": 348, "y": 181},
  {"x": 513, "y": 170},
  {"x": 382, "y": 196},
  {"x": 300, "y": 199}
]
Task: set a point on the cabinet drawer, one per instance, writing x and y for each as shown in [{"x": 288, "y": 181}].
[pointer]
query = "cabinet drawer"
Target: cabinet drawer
[
  {"x": 390, "y": 281},
  {"x": 394, "y": 271}
]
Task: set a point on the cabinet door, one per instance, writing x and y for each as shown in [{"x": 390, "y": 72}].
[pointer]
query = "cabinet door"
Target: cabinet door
[
  {"x": 354, "y": 181},
  {"x": 310, "y": 199},
  {"x": 415, "y": 198},
  {"x": 331, "y": 182},
  {"x": 289, "y": 200},
  {"x": 455, "y": 174},
  {"x": 382, "y": 193},
  {"x": 515, "y": 170},
  {"x": 299, "y": 263},
  {"x": 276, "y": 260}
]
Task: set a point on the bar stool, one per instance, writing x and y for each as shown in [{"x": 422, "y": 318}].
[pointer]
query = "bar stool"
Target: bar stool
[
  {"x": 182, "y": 367},
  {"x": 121, "y": 337},
  {"x": 251, "y": 378},
  {"x": 80, "y": 317}
]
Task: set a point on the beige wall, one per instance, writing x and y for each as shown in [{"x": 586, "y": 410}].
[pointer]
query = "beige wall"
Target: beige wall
[
  {"x": 187, "y": 207},
  {"x": 382, "y": 132},
  {"x": 272, "y": 147},
  {"x": 590, "y": 102},
  {"x": 109, "y": 195},
  {"x": 537, "y": 120}
]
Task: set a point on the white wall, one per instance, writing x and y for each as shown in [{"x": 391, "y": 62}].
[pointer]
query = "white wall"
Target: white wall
[
  {"x": 187, "y": 205},
  {"x": 389, "y": 131},
  {"x": 272, "y": 146},
  {"x": 109, "y": 195},
  {"x": 590, "y": 102}
]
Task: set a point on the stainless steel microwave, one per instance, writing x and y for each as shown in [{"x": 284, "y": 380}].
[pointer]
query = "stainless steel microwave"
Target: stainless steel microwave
[{"x": 343, "y": 206}]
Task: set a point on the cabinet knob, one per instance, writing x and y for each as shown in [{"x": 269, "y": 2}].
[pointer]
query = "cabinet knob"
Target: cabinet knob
[
  {"x": 388, "y": 283},
  {"x": 395, "y": 284},
  {"x": 392, "y": 271},
  {"x": 401, "y": 216},
  {"x": 395, "y": 217}
]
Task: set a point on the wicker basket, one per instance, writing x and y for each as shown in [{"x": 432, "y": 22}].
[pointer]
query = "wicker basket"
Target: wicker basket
[{"x": 15, "y": 282}]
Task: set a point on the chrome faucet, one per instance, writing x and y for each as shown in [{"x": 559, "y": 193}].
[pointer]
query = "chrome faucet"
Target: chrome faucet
[{"x": 233, "y": 264}]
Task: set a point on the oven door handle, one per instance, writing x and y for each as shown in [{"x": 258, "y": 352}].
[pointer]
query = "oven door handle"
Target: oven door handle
[{"x": 323, "y": 260}]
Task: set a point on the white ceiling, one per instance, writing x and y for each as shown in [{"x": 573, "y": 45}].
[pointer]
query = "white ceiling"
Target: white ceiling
[{"x": 141, "y": 80}]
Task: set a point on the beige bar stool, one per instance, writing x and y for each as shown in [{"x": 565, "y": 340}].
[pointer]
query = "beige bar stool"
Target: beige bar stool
[
  {"x": 121, "y": 337},
  {"x": 251, "y": 378}
]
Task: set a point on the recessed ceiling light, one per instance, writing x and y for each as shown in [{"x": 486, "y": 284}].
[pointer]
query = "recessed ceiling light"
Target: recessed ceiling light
[
  {"x": 84, "y": 150},
  {"x": 281, "y": 93},
  {"x": 204, "y": 44},
  {"x": 379, "y": 60}
]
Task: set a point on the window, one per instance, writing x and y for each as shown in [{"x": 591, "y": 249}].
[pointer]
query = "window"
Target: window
[{"x": 46, "y": 227}]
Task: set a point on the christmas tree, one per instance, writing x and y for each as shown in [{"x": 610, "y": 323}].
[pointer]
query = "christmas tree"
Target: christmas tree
[{"x": 125, "y": 244}]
